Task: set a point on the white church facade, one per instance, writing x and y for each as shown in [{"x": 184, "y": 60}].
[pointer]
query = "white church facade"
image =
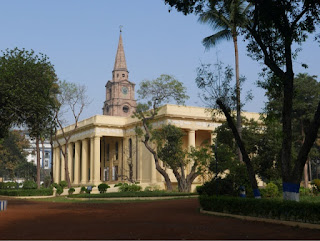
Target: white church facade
[{"x": 106, "y": 149}]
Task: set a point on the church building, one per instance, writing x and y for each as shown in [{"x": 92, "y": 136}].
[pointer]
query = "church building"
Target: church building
[{"x": 106, "y": 149}]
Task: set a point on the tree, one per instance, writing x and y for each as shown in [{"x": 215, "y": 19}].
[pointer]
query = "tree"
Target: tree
[
  {"x": 155, "y": 93},
  {"x": 218, "y": 94},
  {"x": 27, "y": 86},
  {"x": 306, "y": 95},
  {"x": 274, "y": 29},
  {"x": 168, "y": 140},
  {"x": 71, "y": 97},
  {"x": 227, "y": 17},
  {"x": 12, "y": 152}
]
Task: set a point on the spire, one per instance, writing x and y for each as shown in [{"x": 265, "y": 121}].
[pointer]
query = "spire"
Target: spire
[{"x": 120, "y": 61}]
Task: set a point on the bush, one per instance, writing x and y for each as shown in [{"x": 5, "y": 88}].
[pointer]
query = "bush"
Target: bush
[
  {"x": 304, "y": 191},
  {"x": 9, "y": 185},
  {"x": 152, "y": 188},
  {"x": 71, "y": 191},
  {"x": 83, "y": 189},
  {"x": 59, "y": 190},
  {"x": 26, "y": 192},
  {"x": 125, "y": 187},
  {"x": 217, "y": 187},
  {"x": 103, "y": 187},
  {"x": 29, "y": 185},
  {"x": 63, "y": 184},
  {"x": 316, "y": 184},
  {"x": 88, "y": 190},
  {"x": 271, "y": 191},
  {"x": 266, "y": 208}
]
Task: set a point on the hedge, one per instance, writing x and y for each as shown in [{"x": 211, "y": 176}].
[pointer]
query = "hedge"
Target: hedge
[
  {"x": 306, "y": 212},
  {"x": 26, "y": 192},
  {"x": 132, "y": 194}
]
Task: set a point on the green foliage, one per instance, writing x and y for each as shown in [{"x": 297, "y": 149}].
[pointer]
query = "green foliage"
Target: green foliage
[
  {"x": 304, "y": 191},
  {"x": 27, "y": 81},
  {"x": 63, "y": 184},
  {"x": 316, "y": 183},
  {"x": 83, "y": 189},
  {"x": 59, "y": 190},
  {"x": 12, "y": 153},
  {"x": 217, "y": 187},
  {"x": 267, "y": 208},
  {"x": 103, "y": 187},
  {"x": 125, "y": 187},
  {"x": 29, "y": 184},
  {"x": 270, "y": 191},
  {"x": 169, "y": 145},
  {"x": 9, "y": 185},
  {"x": 27, "y": 192},
  {"x": 152, "y": 188},
  {"x": 71, "y": 191}
]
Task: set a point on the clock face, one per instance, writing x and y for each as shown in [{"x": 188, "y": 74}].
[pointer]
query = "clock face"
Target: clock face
[{"x": 124, "y": 90}]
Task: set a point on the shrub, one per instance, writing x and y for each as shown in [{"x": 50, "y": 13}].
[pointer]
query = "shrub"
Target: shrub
[
  {"x": 9, "y": 185},
  {"x": 88, "y": 190},
  {"x": 316, "y": 184},
  {"x": 304, "y": 191},
  {"x": 118, "y": 184},
  {"x": 103, "y": 187},
  {"x": 63, "y": 184},
  {"x": 71, "y": 191},
  {"x": 267, "y": 208},
  {"x": 270, "y": 191},
  {"x": 83, "y": 189},
  {"x": 152, "y": 188},
  {"x": 29, "y": 184},
  {"x": 26, "y": 192},
  {"x": 125, "y": 187},
  {"x": 59, "y": 190},
  {"x": 217, "y": 187}
]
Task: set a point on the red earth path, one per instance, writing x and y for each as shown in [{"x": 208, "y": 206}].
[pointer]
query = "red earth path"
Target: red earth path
[{"x": 163, "y": 219}]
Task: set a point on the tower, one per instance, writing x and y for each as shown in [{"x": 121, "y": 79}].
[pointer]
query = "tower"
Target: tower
[{"x": 119, "y": 91}]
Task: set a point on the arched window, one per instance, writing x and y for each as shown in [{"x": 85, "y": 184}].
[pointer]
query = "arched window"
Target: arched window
[
  {"x": 117, "y": 150},
  {"x": 130, "y": 148}
]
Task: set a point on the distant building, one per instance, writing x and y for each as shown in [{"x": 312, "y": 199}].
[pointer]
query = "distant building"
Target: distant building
[{"x": 45, "y": 161}]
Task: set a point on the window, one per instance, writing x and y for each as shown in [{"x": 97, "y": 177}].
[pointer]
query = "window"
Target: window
[
  {"x": 117, "y": 150},
  {"x": 125, "y": 109},
  {"x": 130, "y": 148},
  {"x": 46, "y": 155},
  {"x": 46, "y": 163},
  {"x": 123, "y": 75}
]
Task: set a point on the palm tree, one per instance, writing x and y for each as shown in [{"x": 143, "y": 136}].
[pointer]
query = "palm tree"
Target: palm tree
[{"x": 227, "y": 17}]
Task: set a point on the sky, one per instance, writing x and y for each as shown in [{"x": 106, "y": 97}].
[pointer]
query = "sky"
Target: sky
[{"x": 80, "y": 37}]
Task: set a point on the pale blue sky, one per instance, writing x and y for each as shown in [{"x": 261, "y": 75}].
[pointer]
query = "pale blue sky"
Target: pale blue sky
[{"x": 80, "y": 37}]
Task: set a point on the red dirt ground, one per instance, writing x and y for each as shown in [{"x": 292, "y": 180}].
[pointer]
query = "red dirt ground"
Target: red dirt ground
[{"x": 164, "y": 219}]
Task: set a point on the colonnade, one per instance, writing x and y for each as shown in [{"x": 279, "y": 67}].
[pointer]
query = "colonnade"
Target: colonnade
[{"x": 89, "y": 161}]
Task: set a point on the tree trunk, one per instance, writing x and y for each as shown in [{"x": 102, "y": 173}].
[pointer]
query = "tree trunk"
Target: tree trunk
[
  {"x": 38, "y": 162},
  {"x": 239, "y": 127},
  {"x": 246, "y": 159},
  {"x": 66, "y": 167},
  {"x": 305, "y": 175}
]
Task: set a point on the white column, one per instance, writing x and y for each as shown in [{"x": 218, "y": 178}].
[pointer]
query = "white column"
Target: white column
[
  {"x": 103, "y": 146},
  {"x": 84, "y": 162},
  {"x": 91, "y": 159},
  {"x": 56, "y": 164},
  {"x": 76, "y": 178},
  {"x": 70, "y": 161},
  {"x": 96, "y": 160},
  {"x": 191, "y": 138}
]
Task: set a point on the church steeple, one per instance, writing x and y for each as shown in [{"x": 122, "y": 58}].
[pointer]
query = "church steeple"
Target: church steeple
[
  {"x": 120, "y": 71},
  {"x": 119, "y": 91}
]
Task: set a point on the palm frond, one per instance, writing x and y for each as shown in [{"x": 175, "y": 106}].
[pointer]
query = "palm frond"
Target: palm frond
[{"x": 212, "y": 40}]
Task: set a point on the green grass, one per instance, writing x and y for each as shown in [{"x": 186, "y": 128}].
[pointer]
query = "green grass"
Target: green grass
[
  {"x": 133, "y": 194},
  {"x": 64, "y": 199}
]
